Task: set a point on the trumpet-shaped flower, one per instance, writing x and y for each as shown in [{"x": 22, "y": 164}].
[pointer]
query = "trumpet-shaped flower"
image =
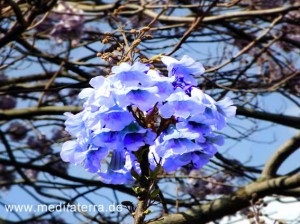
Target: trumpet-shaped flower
[
  {"x": 118, "y": 171},
  {"x": 94, "y": 157},
  {"x": 134, "y": 137},
  {"x": 186, "y": 68},
  {"x": 180, "y": 105}
]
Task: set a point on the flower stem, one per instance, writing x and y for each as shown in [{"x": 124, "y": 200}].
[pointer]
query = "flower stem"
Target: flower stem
[{"x": 143, "y": 194}]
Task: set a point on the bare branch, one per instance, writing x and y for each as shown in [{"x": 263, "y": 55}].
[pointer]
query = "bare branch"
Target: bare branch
[
  {"x": 228, "y": 205},
  {"x": 285, "y": 120},
  {"x": 280, "y": 156}
]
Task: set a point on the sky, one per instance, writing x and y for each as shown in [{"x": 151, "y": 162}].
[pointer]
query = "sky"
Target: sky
[{"x": 255, "y": 152}]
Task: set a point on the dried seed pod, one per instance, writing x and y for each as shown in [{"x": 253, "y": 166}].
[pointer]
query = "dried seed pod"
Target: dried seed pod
[
  {"x": 136, "y": 42},
  {"x": 149, "y": 37},
  {"x": 145, "y": 29},
  {"x": 133, "y": 31},
  {"x": 105, "y": 41}
]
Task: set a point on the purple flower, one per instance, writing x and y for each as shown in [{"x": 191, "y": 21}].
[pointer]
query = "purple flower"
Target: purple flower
[
  {"x": 126, "y": 75},
  {"x": 32, "y": 174},
  {"x": 142, "y": 97},
  {"x": 7, "y": 102},
  {"x": 137, "y": 107},
  {"x": 75, "y": 123},
  {"x": 59, "y": 134},
  {"x": 64, "y": 22},
  {"x": 101, "y": 95},
  {"x": 94, "y": 157},
  {"x": 184, "y": 68},
  {"x": 73, "y": 152},
  {"x": 206, "y": 186},
  {"x": 194, "y": 125},
  {"x": 191, "y": 160},
  {"x": 107, "y": 138},
  {"x": 118, "y": 171},
  {"x": 39, "y": 143},
  {"x": 225, "y": 107},
  {"x": 181, "y": 105},
  {"x": 164, "y": 84},
  {"x": 215, "y": 113},
  {"x": 58, "y": 165},
  {"x": 182, "y": 146},
  {"x": 138, "y": 86},
  {"x": 134, "y": 137},
  {"x": 17, "y": 131},
  {"x": 176, "y": 142},
  {"x": 114, "y": 119},
  {"x": 172, "y": 162},
  {"x": 6, "y": 176}
]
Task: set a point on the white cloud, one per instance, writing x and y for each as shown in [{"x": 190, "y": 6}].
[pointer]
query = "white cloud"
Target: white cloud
[{"x": 288, "y": 210}]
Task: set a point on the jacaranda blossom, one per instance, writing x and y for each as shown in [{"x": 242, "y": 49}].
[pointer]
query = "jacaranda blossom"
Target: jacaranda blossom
[
  {"x": 64, "y": 22},
  {"x": 138, "y": 107},
  {"x": 185, "y": 69}
]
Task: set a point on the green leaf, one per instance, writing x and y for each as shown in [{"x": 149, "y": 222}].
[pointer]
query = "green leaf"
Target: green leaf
[
  {"x": 154, "y": 173},
  {"x": 147, "y": 212},
  {"x": 154, "y": 193},
  {"x": 135, "y": 174}
]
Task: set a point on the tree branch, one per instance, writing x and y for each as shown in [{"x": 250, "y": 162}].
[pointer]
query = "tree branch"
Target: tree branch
[
  {"x": 209, "y": 19},
  {"x": 228, "y": 205},
  {"x": 35, "y": 111},
  {"x": 66, "y": 176},
  {"x": 285, "y": 120},
  {"x": 280, "y": 156}
]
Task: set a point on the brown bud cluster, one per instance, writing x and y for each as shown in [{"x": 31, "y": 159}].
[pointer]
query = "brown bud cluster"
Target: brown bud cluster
[{"x": 118, "y": 10}]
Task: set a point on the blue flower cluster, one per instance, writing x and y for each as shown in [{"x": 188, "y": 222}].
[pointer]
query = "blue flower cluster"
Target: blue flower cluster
[{"x": 137, "y": 106}]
